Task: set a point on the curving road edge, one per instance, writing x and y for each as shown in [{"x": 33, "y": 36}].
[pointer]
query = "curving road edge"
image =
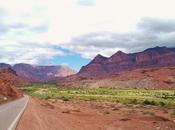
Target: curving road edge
[
  {"x": 11, "y": 113},
  {"x": 15, "y": 122}
]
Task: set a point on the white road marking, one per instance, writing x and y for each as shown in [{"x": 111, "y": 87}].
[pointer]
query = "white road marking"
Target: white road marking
[
  {"x": 14, "y": 123},
  {"x": 11, "y": 112}
]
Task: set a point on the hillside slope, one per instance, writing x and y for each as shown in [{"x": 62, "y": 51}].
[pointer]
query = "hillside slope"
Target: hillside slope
[
  {"x": 34, "y": 73},
  {"x": 8, "y": 84},
  {"x": 120, "y": 61},
  {"x": 152, "y": 68},
  {"x": 152, "y": 78}
]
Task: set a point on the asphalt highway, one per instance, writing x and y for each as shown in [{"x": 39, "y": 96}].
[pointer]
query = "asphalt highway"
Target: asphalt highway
[{"x": 10, "y": 113}]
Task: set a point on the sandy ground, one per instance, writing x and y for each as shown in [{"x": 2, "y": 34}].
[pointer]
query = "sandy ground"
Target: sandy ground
[{"x": 81, "y": 115}]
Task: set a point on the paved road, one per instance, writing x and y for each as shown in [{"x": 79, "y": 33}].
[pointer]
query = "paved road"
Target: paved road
[{"x": 10, "y": 113}]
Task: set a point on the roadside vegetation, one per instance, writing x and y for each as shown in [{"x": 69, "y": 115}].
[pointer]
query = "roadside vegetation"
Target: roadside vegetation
[{"x": 164, "y": 98}]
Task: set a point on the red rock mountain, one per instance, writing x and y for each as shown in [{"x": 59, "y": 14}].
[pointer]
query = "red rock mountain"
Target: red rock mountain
[
  {"x": 120, "y": 61},
  {"x": 8, "y": 79},
  {"x": 34, "y": 73},
  {"x": 150, "y": 78}
]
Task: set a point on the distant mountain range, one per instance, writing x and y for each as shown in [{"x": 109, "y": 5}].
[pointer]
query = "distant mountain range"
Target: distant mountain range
[
  {"x": 34, "y": 73},
  {"x": 120, "y": 61},
  {"x": 153, "y": 68}
]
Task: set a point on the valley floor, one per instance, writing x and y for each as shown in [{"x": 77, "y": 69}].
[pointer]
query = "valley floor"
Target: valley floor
[{"x": 55, "y": 114}]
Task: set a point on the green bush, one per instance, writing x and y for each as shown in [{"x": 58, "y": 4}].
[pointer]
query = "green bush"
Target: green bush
[
  {"x": 134, "y": 101},
  {"x": 65, "y": 98},
  {"x": 163, "y": 98},
  {"x": 147, "y": 102},
  {"x": 162, "y": 104}
]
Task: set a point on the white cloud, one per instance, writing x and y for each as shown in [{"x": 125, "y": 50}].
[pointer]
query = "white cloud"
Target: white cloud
[
  {"x": 86, "y": 2},
  {"x": 27, "y": 53},
  {"x": 37, "y": 26},
  {"x": 150, "y": 32}
]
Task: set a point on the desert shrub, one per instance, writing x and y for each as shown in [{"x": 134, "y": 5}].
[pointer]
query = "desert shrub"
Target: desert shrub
[
  {"x": 65, "y": 98},
  {"x": 46, "y": 97},
  {"x": 168, "y": 82},
  {"x": 148, "y": 113},
  {"x": 147, "y": 102},
  {"x": 134, "y": 101},
  {"x": 92, "y": 98},
  {"x": 106, "y": 112},
  {"x": 126, "y": 96},
  {"x": 162, "y": 103}
]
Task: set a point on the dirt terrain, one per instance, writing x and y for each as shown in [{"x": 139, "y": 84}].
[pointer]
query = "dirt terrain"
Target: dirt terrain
[
  {"x": 151, "y": 78},
  {"x": 86, "y": 115}
]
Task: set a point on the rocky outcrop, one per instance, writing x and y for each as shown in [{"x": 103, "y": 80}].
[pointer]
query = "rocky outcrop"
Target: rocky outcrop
[
  {"x": 8, "y": 83},
  {"x": 150, "y": 78},
  {"x": 120, "y": 61}
]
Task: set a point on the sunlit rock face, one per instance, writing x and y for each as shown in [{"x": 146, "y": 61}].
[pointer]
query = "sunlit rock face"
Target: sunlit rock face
[
  {"x": 34, "y": 73},
  {"x": 120, "y": 61},
  {"x": 8, "y": 84},
  {"x": 42, "y": 73}
]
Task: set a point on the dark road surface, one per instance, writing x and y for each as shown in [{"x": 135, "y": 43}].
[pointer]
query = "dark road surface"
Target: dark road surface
[{"x": 11, "y": 112}]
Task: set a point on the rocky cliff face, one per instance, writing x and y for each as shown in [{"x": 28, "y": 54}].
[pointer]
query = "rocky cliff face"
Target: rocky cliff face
[
  {"x": 8, "y": 84},
  {"x": 34, "y": 73},
  {"x": 150, "y": 78},
  {"x": 150, "y": 58}
]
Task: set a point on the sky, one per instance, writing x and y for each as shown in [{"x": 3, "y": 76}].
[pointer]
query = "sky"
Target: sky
[{"x": 73, "y": 32}]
